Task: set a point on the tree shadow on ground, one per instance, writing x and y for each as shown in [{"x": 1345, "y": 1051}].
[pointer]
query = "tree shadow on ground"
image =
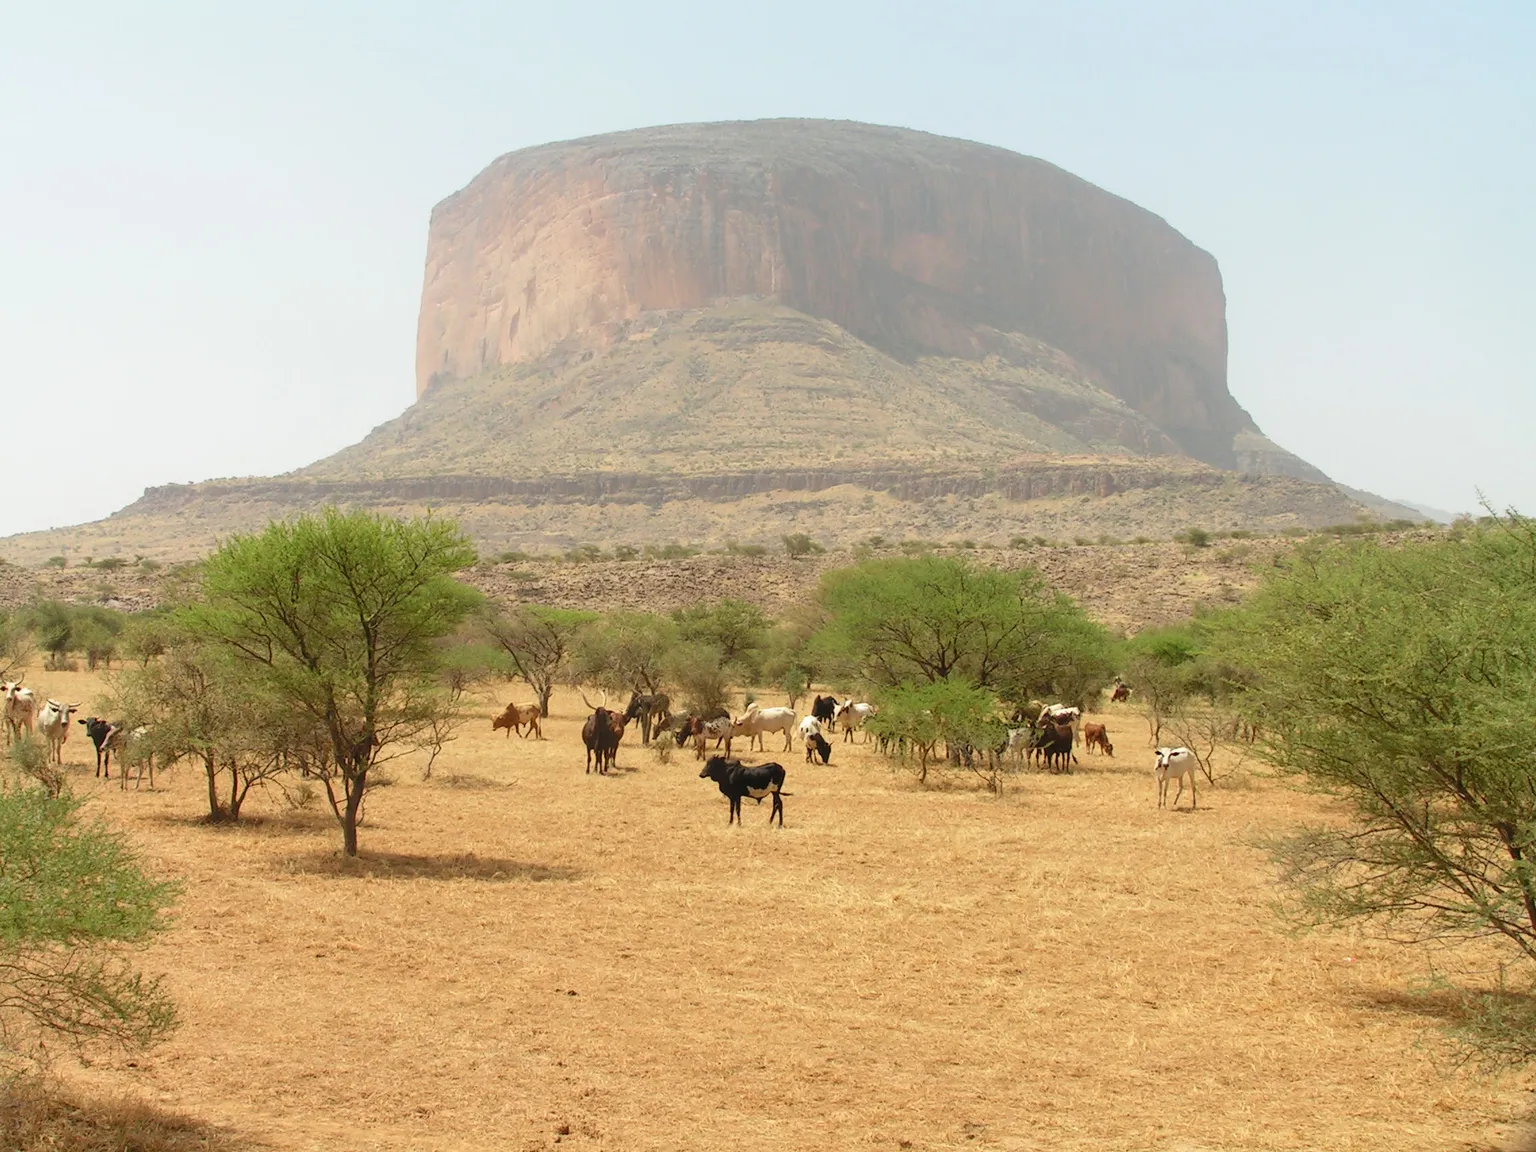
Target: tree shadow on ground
[
  {"x": 468, "y": 781},
  {"x": 295, "y": 820},
  {"x": 409, "y": 866},
  {"x": 1466, "y": 1017},
  {"x": 38, "y": 1117}
]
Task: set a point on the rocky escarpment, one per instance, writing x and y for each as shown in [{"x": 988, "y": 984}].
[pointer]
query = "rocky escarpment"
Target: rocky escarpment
[{"x": 915, "y": 244}]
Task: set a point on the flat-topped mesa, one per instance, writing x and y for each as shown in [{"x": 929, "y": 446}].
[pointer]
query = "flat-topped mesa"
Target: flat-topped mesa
[{"x": 917, "y": 244}]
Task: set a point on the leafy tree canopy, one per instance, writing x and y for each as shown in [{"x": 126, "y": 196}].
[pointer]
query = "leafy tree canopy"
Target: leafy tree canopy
[
  {"x": 341, "y": 617},
  {"x": 1402, "y": 681},
  {"x": 930, "y": 618}
]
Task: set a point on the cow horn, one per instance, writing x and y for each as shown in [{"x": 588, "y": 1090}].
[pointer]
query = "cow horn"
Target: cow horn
[{"x": 587, "y": 702}]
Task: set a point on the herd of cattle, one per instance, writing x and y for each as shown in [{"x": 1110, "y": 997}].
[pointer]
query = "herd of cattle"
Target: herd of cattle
[
  {"x": 24, "y": 716},
  {"x": 1044, "y": 733}
]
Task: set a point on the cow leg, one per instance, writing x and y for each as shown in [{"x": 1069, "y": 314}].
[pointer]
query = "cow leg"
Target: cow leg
[{"x": 778, "y": 810}]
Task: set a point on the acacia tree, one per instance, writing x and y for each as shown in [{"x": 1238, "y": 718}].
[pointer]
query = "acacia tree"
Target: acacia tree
[
  {"x": 624, "y": 652},
  {"x": 1402, "y": 682},
  {"x": 199, "y": 703},
  {"x": 73, "y": 903},
  {"x": 539, "y": 642},
  {"x": 734, "y": 628},
  {"x": 338, "y": 617},
  {"x": 929, "y": 619}
]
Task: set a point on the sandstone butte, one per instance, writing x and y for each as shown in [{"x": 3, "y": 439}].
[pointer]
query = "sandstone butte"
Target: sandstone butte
[{"x": 715, "y": 331}]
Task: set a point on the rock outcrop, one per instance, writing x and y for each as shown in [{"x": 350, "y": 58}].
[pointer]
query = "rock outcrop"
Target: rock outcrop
[{"x": 915, "y": 244}]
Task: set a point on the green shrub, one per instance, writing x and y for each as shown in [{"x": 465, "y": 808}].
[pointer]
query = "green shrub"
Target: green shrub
[{"x": 798, "y": 544}]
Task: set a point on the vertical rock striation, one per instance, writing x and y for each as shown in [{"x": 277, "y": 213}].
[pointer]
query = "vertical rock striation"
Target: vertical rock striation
[{"x": 917, "y": 244}]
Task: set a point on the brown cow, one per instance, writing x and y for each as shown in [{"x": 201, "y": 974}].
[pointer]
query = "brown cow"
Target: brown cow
[
  {"x": 1095, "y": 736},
  {"x": 518, "y": 715}
]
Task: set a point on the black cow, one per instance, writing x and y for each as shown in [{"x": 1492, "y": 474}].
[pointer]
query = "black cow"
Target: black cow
[
  {"x": 816, "y": 745},
  {"x": 1056, "y": 743},
  {"x": 737, "y": 780},
  {"x": 100, "y": 732},
  {"x": 824, "y": 708}
]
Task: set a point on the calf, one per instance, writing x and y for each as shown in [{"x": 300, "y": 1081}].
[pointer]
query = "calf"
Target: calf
[
  {"x": 518, "y": 715},
  {"x": 815, "y": 743},
  {"x": 53, "y": 726},
  {"x": 100, "y": 733},
  {"x": 738, "y": 780},
  {"x": 1175, "y": 763},
  {"x": 1122, "y": 692},
  {"x": 1096, "y": 736}
]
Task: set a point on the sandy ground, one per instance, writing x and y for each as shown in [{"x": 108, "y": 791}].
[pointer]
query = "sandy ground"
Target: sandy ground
[{"x": 527, "y": 956}]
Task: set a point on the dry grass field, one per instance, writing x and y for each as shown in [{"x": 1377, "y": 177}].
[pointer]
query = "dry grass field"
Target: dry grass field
[{"x": 528, "y": 957}]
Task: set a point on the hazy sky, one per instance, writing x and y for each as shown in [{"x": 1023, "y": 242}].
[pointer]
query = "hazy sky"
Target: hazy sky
[{"x": 215, "y": 216}]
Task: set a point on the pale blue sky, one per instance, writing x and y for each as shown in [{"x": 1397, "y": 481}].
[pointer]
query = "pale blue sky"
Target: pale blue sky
[{"x": 214, "y": 217}]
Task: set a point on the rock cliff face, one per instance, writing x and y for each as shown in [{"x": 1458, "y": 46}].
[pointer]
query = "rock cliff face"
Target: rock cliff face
[{"x": 917, "y": 244}]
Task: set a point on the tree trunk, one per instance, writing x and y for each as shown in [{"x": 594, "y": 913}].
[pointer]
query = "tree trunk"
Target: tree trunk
[
  {"x": 356, "y": 785},
  {"x": 545, "y": 693},
  {"x": 210, "y": 767}
]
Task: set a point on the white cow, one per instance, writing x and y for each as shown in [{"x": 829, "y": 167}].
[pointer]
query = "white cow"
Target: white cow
[
  {"x": 132, "y": 746},
  {"x": 1176, "y": 763},
  {"x": 1020, "y": 740},
  {"x": 20, "y": 710},
  {"x": 53, "y": 726},
  {"x": 851, "y": 717},
  {"x": 755, "y": 721}
]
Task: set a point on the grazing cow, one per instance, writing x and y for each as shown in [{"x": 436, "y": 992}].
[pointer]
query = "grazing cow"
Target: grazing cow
[
  {"x": 20, "y": 710},
  {"x": 815, "y": 743},
  {"x": 851, "y": 717},
  {"x": 738, "y": 780},
  {"x": 1018, "y": 743},
  {"x": 685, "y": 728},
  {"x": 1179, "y": 763},
  {"x": 1122, "y": 692},
  {"x": 1055, "y": 741},
  {"x": 755, "y": 721},
  {"x": 53, "y": 726},
  {"x": 648, "y": 710},
  {"x": 100, "y": 732},
  {"x": 824, "y": 708},
  {"x": 1096, "y": 736},
  {"x": 517, "y": 715}
]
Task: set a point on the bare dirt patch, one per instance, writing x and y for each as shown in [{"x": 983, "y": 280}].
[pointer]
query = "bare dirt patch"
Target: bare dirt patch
[{"x": 602, "y": 962}]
